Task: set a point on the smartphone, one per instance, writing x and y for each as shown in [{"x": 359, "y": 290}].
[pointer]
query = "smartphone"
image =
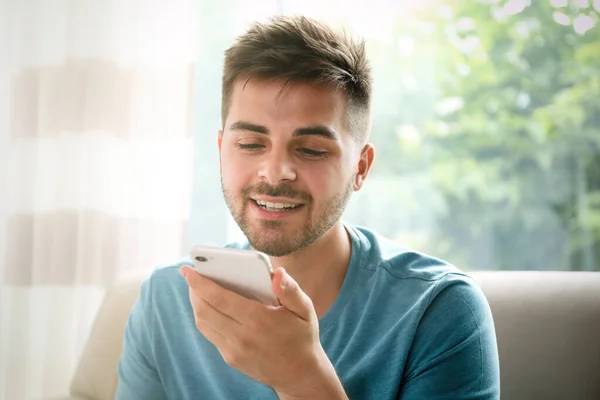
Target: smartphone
[{"x": 246, "y": 272}]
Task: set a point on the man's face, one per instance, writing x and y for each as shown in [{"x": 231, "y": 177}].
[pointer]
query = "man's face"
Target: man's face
[{"x": 288, "y": 165}]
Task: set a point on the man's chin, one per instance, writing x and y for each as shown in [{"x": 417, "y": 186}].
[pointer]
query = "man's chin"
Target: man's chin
[
  {"x": 273, "y": 248},
  {"x": 273, "y": 242}
]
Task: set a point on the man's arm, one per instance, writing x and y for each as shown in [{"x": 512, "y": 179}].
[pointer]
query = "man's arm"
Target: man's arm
[
  {"x": 138, "y": 378},
  {"x": 454, "y": 354}
]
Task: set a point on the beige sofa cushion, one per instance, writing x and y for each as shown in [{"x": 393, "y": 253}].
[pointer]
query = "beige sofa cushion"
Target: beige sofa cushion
[
  {"x": 96, "y": 375},
  {"x": 548, "y": 329}
]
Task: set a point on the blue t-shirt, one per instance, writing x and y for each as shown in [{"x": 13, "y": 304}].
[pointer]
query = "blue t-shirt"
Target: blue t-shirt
[{"x": 404, "y": 325}]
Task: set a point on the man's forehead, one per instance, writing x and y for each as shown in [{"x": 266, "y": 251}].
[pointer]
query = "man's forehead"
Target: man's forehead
[{"x": 281, "y": 91}]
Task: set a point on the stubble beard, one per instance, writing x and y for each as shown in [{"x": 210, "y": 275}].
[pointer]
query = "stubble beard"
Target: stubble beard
[{"x": 275, "y": 237}]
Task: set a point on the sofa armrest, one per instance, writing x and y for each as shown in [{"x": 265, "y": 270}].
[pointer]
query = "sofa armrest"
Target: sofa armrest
[{"x": 96, "y": 375}]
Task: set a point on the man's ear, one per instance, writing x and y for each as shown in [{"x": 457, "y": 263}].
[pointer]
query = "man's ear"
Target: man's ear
[
  {"x": 365, "y": 162},
  {"x": 220, "y": 139}
]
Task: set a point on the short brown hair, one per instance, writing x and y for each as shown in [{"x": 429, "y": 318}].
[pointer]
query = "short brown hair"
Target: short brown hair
[{"x": 302, "y": 49}]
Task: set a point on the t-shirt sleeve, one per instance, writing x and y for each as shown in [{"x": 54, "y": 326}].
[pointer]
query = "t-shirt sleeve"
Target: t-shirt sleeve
[
  {"x": 138, "y": 377},
  {"x": 454, "y": 354}
]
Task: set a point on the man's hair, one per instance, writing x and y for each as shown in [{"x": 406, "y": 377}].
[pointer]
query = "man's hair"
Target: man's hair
[{"x": 300, "y": 49}]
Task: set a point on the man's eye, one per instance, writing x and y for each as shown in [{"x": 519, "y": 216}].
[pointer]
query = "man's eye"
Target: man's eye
[
  {"x": 313, "y": 153},
  {"x": 250, "y": 146}
]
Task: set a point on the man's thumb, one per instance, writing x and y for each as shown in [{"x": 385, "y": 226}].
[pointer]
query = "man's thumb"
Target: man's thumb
[{"x": 290, "y": 295}]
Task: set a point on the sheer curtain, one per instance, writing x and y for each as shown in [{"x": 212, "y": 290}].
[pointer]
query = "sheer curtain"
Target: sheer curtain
[{"x": 95, "y": 177}]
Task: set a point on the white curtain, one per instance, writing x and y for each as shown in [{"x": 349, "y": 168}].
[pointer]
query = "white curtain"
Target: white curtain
[{"x": 95, "y": 173}]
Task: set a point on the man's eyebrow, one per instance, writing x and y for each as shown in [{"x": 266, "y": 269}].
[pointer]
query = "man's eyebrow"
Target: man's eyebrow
[
  {"x": 318, "y": 130},
  {"x": 248, "y": 126}
]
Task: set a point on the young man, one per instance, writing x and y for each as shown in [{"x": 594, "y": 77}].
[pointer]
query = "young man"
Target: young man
[{"x": 361, "y": 317}]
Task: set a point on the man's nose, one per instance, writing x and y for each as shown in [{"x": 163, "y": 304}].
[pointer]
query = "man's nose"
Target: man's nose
[{"x": 277, "y": 166}]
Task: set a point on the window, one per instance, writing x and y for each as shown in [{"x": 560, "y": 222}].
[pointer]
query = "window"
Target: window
[{"x": 486, "y": 122}]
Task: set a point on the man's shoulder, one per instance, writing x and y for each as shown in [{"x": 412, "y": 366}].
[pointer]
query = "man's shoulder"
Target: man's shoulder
[
  {"x": 164, "y": 286},
  {"x": 411, "y": 272},
  {"x": 407, "y": 276},
  {"x": 168, "y": 270},
  {"x": 400, "y": 261}
]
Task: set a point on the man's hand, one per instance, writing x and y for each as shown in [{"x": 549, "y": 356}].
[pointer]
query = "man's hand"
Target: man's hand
[{"x": 278, "y": 346}]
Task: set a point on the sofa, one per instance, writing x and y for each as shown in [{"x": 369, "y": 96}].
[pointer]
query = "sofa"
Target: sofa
[{"x": 547, "y": 325}]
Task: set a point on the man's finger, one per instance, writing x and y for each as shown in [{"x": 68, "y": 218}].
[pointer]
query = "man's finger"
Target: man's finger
[
  {"x": 216, "y": 338},
  {"x": 225, "y": 301},
  {"x": 206, "y": 314},
  {"x": 291, "y": 295}
]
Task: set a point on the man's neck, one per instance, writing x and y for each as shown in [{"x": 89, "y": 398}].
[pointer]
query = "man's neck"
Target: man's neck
[{"x": 320, "y": 269}]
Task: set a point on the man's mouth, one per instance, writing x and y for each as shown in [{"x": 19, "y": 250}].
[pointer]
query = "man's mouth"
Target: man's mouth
[{"x": 276, "y": 207}]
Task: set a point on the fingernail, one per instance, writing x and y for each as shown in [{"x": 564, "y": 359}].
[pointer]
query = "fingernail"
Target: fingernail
[
  {"x": 284, "y": 279},
  {"x": 183, "y": 272}
]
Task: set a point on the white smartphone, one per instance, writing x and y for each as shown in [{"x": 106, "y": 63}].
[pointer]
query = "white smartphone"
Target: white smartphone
[{"x": 246, "y": 272}]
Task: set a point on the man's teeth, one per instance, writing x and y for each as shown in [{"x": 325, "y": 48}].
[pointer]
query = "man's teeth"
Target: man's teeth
[{"x": 278, "y": 206}]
